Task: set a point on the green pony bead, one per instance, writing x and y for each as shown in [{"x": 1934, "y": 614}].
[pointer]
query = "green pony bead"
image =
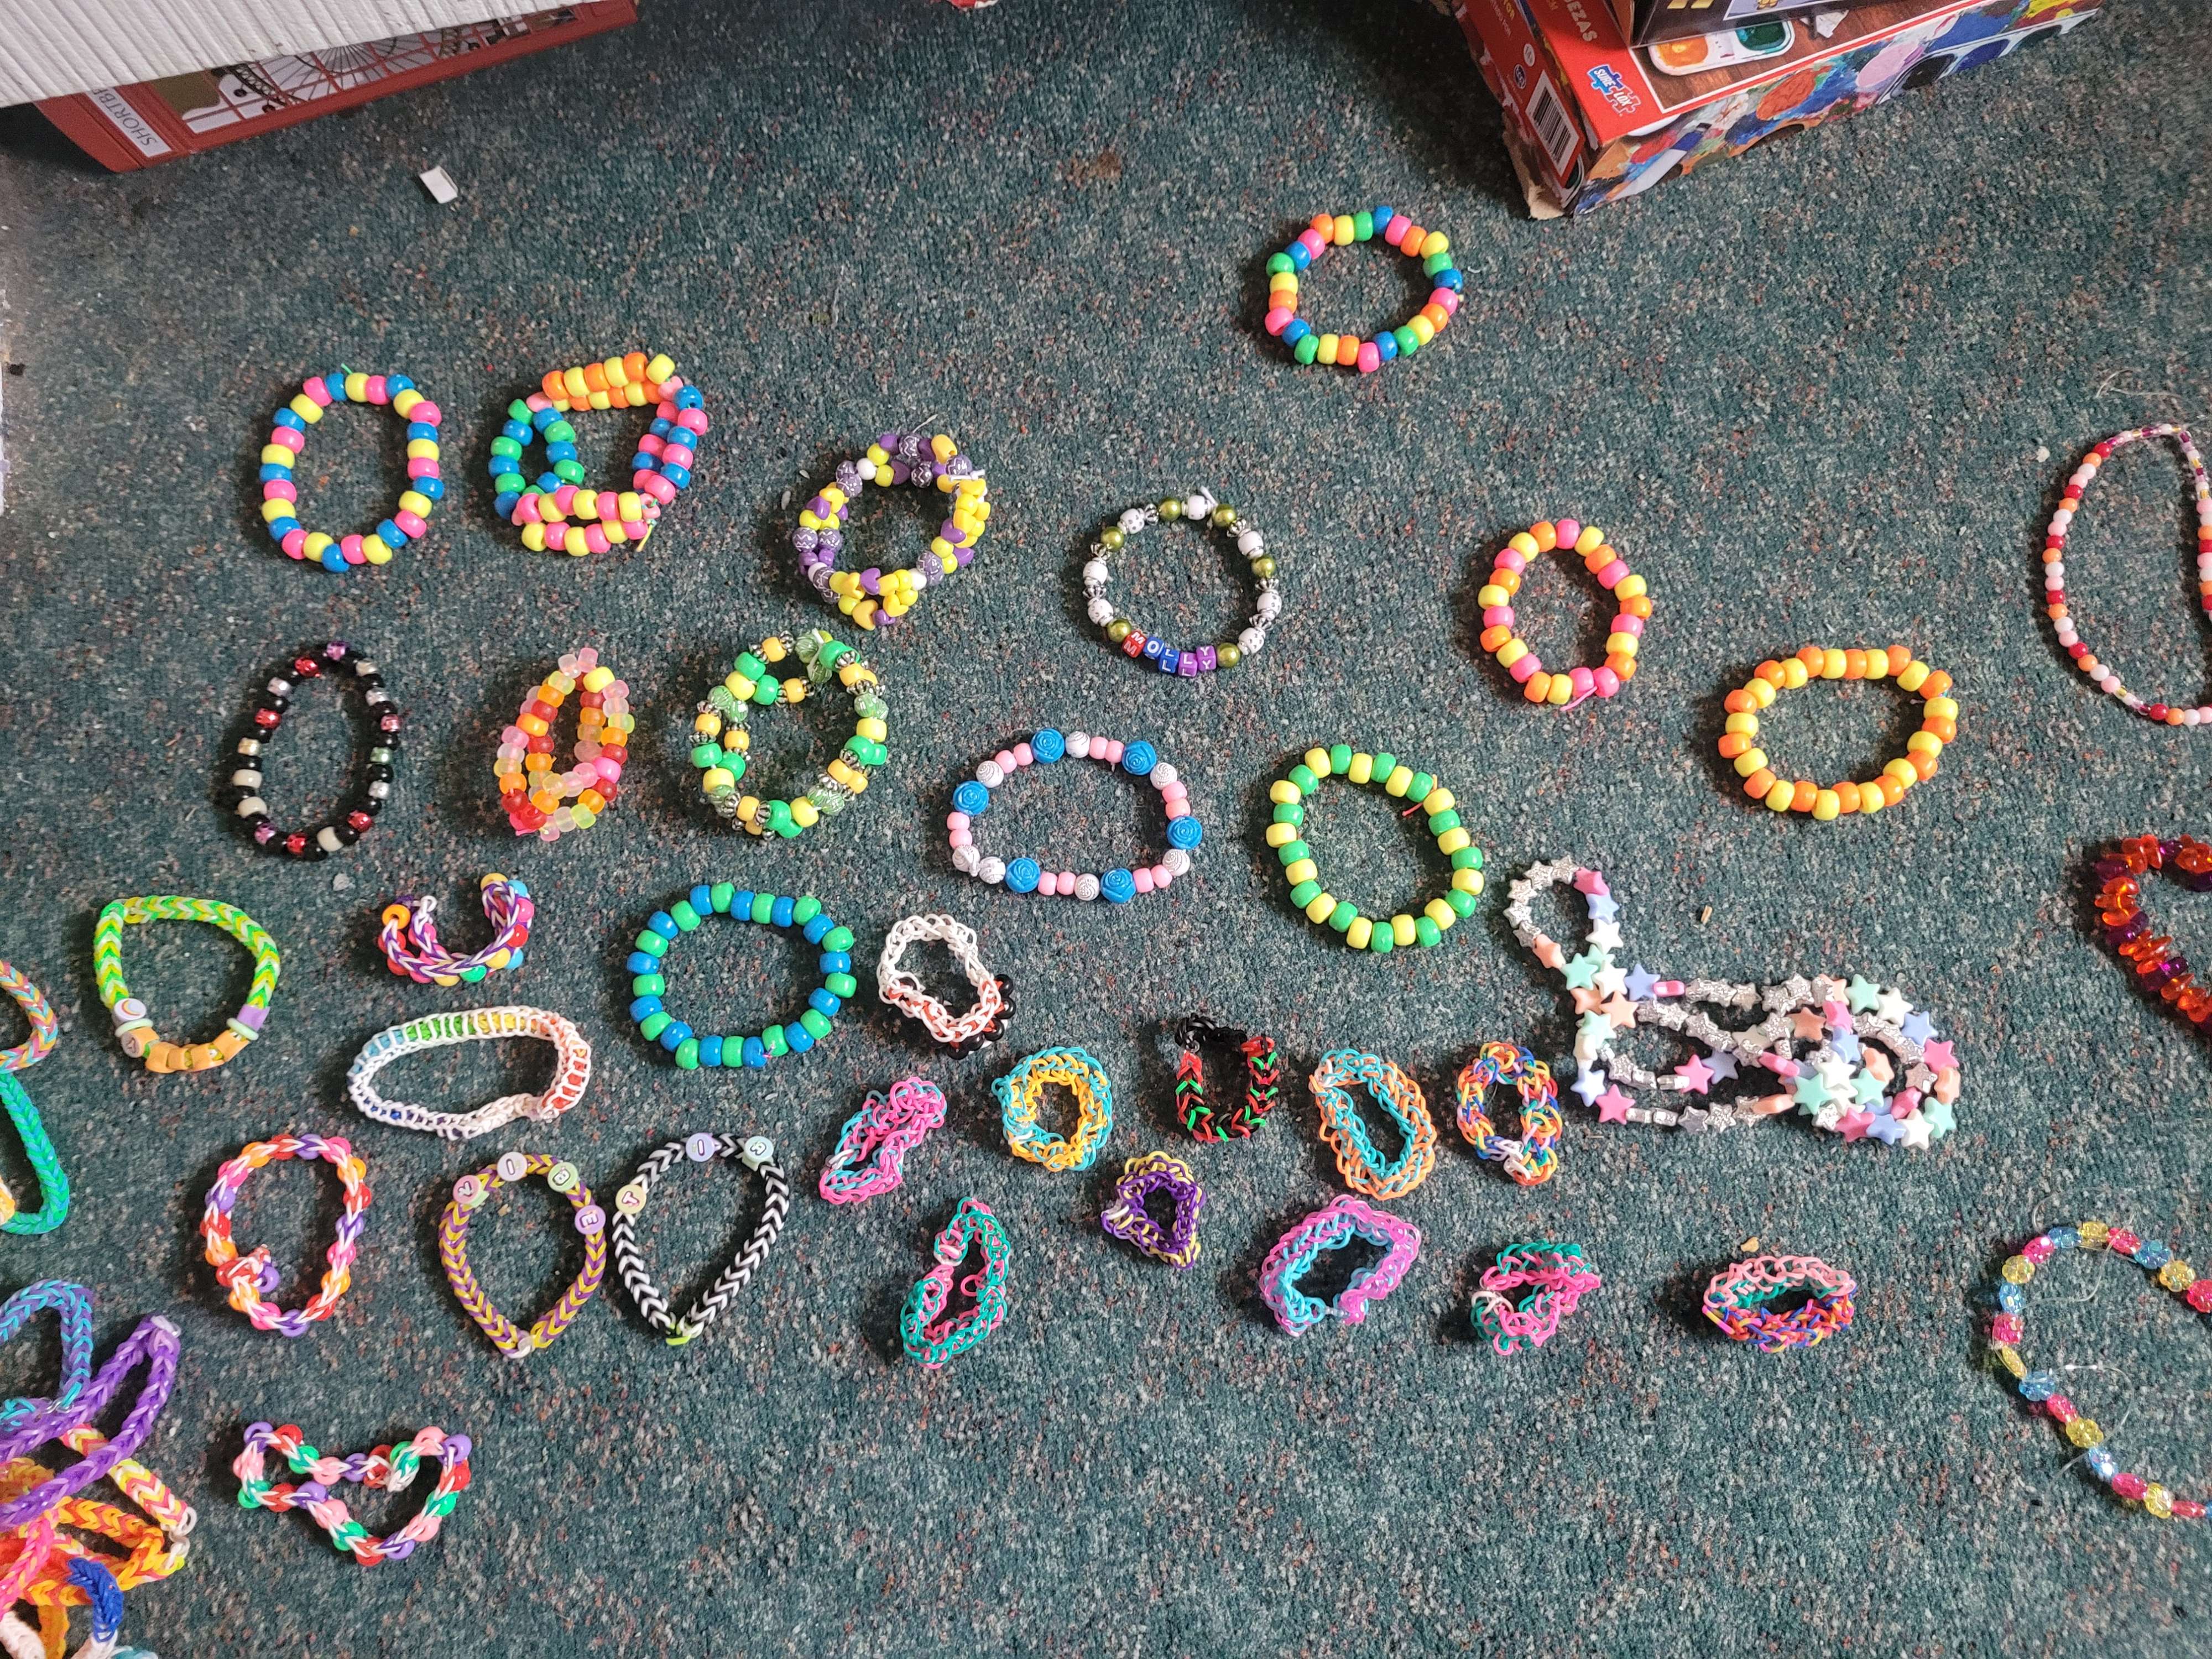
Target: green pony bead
[
  {"x": 652, "y": 944},
  {"x": 1385, "y": 764},
  {"x": 653, "y": 1024},
  {"x": 772, "y": 1040},
  {"x": 1382, "y": 941},
  {"x": 704, "y": 755},
  {"x": 1302, "y": 775},
  {"x": 1340, "y": 759},
  {"x": 1289, "y": 812},
  {"x": 750, "y": 666},
  {"x": 1447, "y": 819},
  {"x": 837, "y": 939},
  {"x": 1408, "y": 342},
  {"x": 1344, "y": 915},
  {"x": 1277, "y": 264},
  {"x": 767, "y": 692},
  {"x": 1363, "y": 228},
  {"x": 1307, "y": 348},
  {"x": 1419, "y": 789},
  {"x": 647, "y": 985},
  {"x": 1468, "y": 858},
  {"x": 720, "y": 896},
  {"x": 1462, "y": 903},
  {"x": 683, "y": 915},
  {"x": 687, "y": 1054},
  {"x": 1305, "y": 893},
  {"x": 805, "y": 909},
  {"x": 1291, "y": 851},
  {"x": 1426, "y": 932},
  {"x": 817, "y": 1023},
  {"x": 764, "y": 907},
  {"x": 842, "y": 985}
]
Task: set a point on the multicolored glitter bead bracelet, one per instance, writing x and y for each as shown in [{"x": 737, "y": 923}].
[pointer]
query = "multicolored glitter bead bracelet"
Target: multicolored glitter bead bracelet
[
  {"x": 924, "y": 1331},
  {"x": 876, "y": 598},
  {"x": 556, "y": 513},
  {"x": 1534, "y": 1158},
  {"x": 2044, "y": 1389},
  {"x": 870, "y": 1157},
  {"x": 719, "y": 741},
  {"x": 388, "y": 1468},
  {"x": 537, "y": 800},
  {"x": 1835, "y": 1050},
  {"x": 133, "y": 1027},
  {"x": 280, "y": 496},
  {"x": 1263, "y": 1071},
  {"x": 1364, "y": 1169},
  {"x": 1924, "y": 750},
  {"x": 249, "y": 775},
  {"x": 38, "y": 1013},
  {"x": 2061, "y": 613},
  {"x": 756, "y": 1152},
  {"x": 1199, "y": 507},
  {"x": 1127, "y": 1219},
  {"x": 648, "y": 984},
  {"x": 985, "y": 1020},
  {"x": 1024, "y": 874},
  {"x": 1498, "y": 622},
  {"x": 250, "y": 1277},
  {"x": 1431, "y": 247},
  {"x": 1332, "y": 1228},
  {"x": 1737, "y": 1300},
  {"x": 407, "y": 935},
  {"x": 1021, "y": 1094},
  {"x": 2160, "y": 969},
  {"x": 1286, "y": 835},
  {"x": 572, "y": 1069},
  {"x": 1560, "y": 1278},
  {"x": 470, "y": 1193}
]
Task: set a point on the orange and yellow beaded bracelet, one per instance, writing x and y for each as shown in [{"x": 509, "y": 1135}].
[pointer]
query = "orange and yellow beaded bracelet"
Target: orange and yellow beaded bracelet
[{"x": 1923, "y": 750}]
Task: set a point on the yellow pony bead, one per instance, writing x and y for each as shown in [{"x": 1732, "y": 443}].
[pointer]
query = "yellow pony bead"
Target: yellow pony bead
[
  {"x": 1424, "y": 330},
  {"x": 1323, "y": 903},
  {"x": 1441, "y": 913},
  {"x": 1795, "y": 674},
  {"x": 616, "y": 374},
  {"x": 1491, "y": 594},
  {"x": 1903, "y": 772},
  {"x": 1434, "y": 242},
  {"x": 1326, "y": 351},
  {"x": 403, "y": 404},
  {"x": 707, "y": 723},
  {"x": 659, "y": 368},
  {"x": 1870, "y": 801},
  {"x": 356, "y": 388},
  {"x": 943, "y": 447},
  {"x": 574, "y": 544},
  {"x": 1284, "y": 792},
  {"x": 872, "y": 728},
  {"x": 1877, "y": 665},
  {"x": 1914, "y": 677},
  {"x": 739, "y": 686},
  {"x": 1590, "y": 540},
  {"x": 1281, "y": 834},
  {"x": 311, "y": 549},
  {"x": 1360, "y": 933},
  {"x": 1559, "y": 691},
  {"x": 804, "y": 813},
  {"x": 376, "y": 550},
  {"x": 421, "y": 449},
  {"x": 1832, "y": 664},
  {"x": 1630, "y": 587},
  {"x": 1399, "y": 781},
  {"x": 1525, "y": 545},
  {"x": 1924, "y": 743},
  {"x": 1362, "y": 769},
  {"x": 599, "y": 679},
  {"x": 417, "y": 502},
  {"x": 1402, "y": 931},
  {"x": 1749, "y": 762},
  {"x": 1826, "y": 804},
  {"x": 306, "y": 407},
  {"x": 573, "y": 381},
  {"x": 737, "y": 739},
  {"x": 1746, "y": 723},
  {"x": 277, "y": 455},
  {"x": 272, "y": 510},
  {"x": 1317, "y": 761},
  {"x": 533, "y": 538},
  {"x": 794, "y": 690},
  {"x": 1763, "y": 694},
  {"x": 1512, "y": 650},
  {"x": 613, "y": 531},
  {"x": 1944, "y": 709},
  {"x": 715, "y": 778},
  {"x": 1468, "y": 881},
  {"x": 1301, "y": 870},
  {"x": 1779, "y": 797},
  {"x": 1439, "y": 800},
  {"x": 1625, "y": 644}
]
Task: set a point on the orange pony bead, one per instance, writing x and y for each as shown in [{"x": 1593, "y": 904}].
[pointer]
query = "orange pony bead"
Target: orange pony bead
[{"x": 1888, "y": 787}]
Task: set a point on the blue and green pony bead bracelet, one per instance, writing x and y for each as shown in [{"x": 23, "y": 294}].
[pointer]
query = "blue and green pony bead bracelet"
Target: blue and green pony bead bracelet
[{"x": 663, "y": 927}]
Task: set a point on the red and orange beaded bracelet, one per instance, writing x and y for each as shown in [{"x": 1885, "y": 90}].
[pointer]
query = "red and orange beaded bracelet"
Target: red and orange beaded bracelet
[{"x": 1923, "y": 750}]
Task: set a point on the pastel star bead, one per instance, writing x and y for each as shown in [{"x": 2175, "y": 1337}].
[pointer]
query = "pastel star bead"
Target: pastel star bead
[
  {"x": 1696, "y": 1075},
  {"x": 1612, "y": 1107},
  {"x": 1917, "y": 1026},
  {"x": 1589, "y": 1085},
  {"x": 1642, "y": 983},
  {"x": 1865, "y": 995}
]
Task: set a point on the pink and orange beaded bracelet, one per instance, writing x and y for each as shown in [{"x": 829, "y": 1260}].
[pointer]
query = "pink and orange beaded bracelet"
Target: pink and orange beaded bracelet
[
  {"x": 537, "y": 800},
  {"x": 1500, "y": 639}
]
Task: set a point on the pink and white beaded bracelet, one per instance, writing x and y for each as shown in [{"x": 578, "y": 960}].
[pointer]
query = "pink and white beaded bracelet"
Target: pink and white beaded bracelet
[{"x": 1024, "y": 874}]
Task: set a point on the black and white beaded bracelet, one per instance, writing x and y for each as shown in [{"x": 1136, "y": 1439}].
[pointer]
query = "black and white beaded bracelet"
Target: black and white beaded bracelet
[{"x": 372, "y": 789}]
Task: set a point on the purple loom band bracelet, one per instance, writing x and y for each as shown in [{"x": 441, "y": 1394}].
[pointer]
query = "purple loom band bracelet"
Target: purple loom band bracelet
[
  {"x": 155, "y": 1344},
  {"x": 1127, "y": 1219}
]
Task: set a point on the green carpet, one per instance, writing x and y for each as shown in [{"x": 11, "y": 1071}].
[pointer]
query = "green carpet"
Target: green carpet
[{"x": 1827, "y": 391}]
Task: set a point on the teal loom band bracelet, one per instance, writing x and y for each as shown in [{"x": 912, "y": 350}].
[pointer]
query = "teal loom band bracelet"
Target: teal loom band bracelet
[{"x": 53, "y": 1182}]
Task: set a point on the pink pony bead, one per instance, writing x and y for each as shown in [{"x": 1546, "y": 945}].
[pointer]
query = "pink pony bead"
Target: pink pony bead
[
  {"x": 409, "y": 521},
  {"x": 1280, "y": 318},
  {"x": 1525, "y": 669},
  {"x": 1582, "y": 680},
  {"x": 280, "y": 490},
  {"x": 596, "y": 539},
  {"x": 294, "y": 541},
  {"x": 1370, "y": 358},
  {"x": 608, "y": 769},
  {"x": 1161, "y": 876},
  {"x": 1628, "y": 623},
  {"x": 426, "y": 412},
  {"x": 350, "y": 549},
  {"x": 1609, "y": 578},
  {"x": 316, "y": 393},
  {"x": 378, "y": 393},
  {"x": 956, "y": 821},
  {"x": 692, "y": 420},
  {"x": 653, "y": 484},
  {"x": 1512, "y": 558},
  {"x": 1113, "y": 754},
  {"x": 1143, "y": 877},
  {"x": 1606, "y": 680},
  {"x": 1023, "y": 755},
  {"x": 564, "y": 501},
  {"x": 1569, "y": 531},
  {"x": 652, "y": 443},
  {"x": 1498, "y": 615},
  {"x": 1176, "y": 809},
  {"x": 528, "y": 509},
  {"x": 288, "y": 437},
  {"x": 1312, "y": 240},
  {"x": 1447, "y": 298},
  {"x": 677, "y": 455},
  {"x": 1067, "y": 883},
  {"x": 421, "y": 466}
]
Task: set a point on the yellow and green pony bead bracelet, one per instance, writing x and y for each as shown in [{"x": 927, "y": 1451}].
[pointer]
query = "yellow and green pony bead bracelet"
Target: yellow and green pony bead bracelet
[
  {"x": 720, "y": 743},
  {"x": 133, "y": 1027},
  {"x": 1286, "y": 835}
]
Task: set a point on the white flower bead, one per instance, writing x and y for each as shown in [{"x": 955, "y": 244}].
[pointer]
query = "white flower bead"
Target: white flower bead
[
  {"x": 1079, "y": 745},
  {"x": 1163, "y": 775},
  {"x": 251, "y": 805},
  {"x": 991, "y": 871},
  {"x": 1133, "y": 521},
  {"x": 966, "y": 859},
  {"x": 1251, "y": 543},
  {"x": 1251, "y": 640},
  {"x": 1086, "y": 887},
  {"x": 990, "y": 775},
  {"x": 1095, "y": 573},
  {"x": 1176, "y": 862},
  {"x": 1102, "y": 610}
]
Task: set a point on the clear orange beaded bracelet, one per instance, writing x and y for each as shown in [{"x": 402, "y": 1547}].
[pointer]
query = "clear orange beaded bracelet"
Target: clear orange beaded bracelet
[{"x": 1924, "y": 750}]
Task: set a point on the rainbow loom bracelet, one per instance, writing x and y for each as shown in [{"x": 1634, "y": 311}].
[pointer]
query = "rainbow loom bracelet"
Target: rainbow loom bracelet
[
  {"x": 719, "y": 742},
  {"x": 1286, "y": 835},
  {"x": 470, "y": 1193},
  {"x": 247, "y": 1278},
  {"x": 2061, "y": 613},
  {"x": 155, "y": 1345},
  {"x": 1263, "y": 1071},
  {"x": 247, "y": 777},
  {"x": 1431, "y": 247},
  {"x": 133, "y": 1028},
  {"x": 984, "y": 1022},
  {"x": 1512, "y": 652},
  {"x": 1021, "y": 1092},
  {"x": 757, "y": 1153},
  {"x": 1737, "y": 1297},
  {"x": 537, "y": 800},
  {"x": 390, "y": 1469},
  {"x": 1332, "y": 1228},
  {"x": 38, "y": 1013},
  {"x": 1127, "y": 1219},
  {"x": 817, "y": 925},
  {"x": 924, "y": 1333},
  {"x": 1365, "y": 1169},
  {"x": 1534, "y": 1158},
  {"x": 557, "y": 513},
  {"x": 2043, "y": 1389},
  {"x": 1025, "y": 875},
  {"x": 1199, "y": 507},
  {"x": 280, "y": 497},
  {"x": 30, "y": 1127},
  {"x": 407, "y": 935},
  {"x": 875, "y": 598},
  {"x": 572, "y": 1069},
  {"x": 1561, "y": 1276},
  {"x": 870, "y": 1157}
]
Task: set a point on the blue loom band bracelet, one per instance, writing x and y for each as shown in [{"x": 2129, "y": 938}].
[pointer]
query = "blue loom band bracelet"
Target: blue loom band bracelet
[
  {"x": 1021, "y": 1092},
  {"x": 1139, "y": 759},
  {"x": 693, "y": 1050}
]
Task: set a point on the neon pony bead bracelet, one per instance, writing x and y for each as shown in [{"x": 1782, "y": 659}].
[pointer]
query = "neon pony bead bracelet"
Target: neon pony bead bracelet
[
  {"x": 1127, "y": 1219},
  {"x": 572, "y": 1069},
  {"x": 1499, "y": 622},
  {"x": 1021, "y": 1093},
  {"x": 2056, "y": 606},
  {"x": 470, "y": 1193},
  {"x": 537, "y": 800},
  {"x": 390, "y": 1469},
  {"x": 756, "y": 1152},
  {"x": 557, "y": 513},
  {"x": 720, "y": 743},
  {"x": 1286, "y": 835},
  {"x": 1263, "y": 1071},
  {"x": 875, "y": 598},
  {"x": 345, "y": 665},
  {"x": 1332, "y": 1228},
  {"x": 1198, "y": 508},
  {"x": 1924, "y": 750},
  {"x": 134, "y": 1029},
  {"x": 1738, "y": 1301},
  {"x": 1557, "y": 1278},
  {"x": 2045, "y": 1389},
  {"x": 972, "y": 800},
  {"x": 870, "y": 1157},
  {"x": 250, "y": 1277},
  {"x": 924, "y": 1331},
  {"x": 985, "y": 1020},
  {"x": 648, "y": 984},
  {"x": 1431, "y": 247},
  {"x": 1364, "y": 1169},
  {"x": 407, "y": 935},
  {"x": 280, "y": 496},
  {"x": 1534, "y": 1158}
]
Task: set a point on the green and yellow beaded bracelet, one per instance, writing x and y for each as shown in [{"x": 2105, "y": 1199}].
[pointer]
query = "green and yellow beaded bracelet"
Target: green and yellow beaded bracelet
[
  {"x": 721, "y": 741},
  {"x": 1286, "y": 835}
]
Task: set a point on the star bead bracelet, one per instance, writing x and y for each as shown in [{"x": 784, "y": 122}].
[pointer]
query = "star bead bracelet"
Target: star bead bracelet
[
  {"x": 471, "y": 1193},
  {"x": 345, "y": 665},
  {"x": 721, "y": 741},
  {"x": 407, "y": 935},
  {"x": 2044, "y": 1389},
  {"x": 249, "y": 1277},
  {"x": 663, "y": 927},
  {"x": 572, "y": 1069},
  {"x": 1499, "y": 621},
  {"x": 537, "y": 800},
  {"x": 2061, "y": 613},
  {"x": 1739, "y": 1300},
  {"x": 875, "y": 598},
  {"x": 557, "y": 513},
  {"x": 972, "y": 800},
  {"x": 134, "y": 1029},
  {"x": 1431, "y": 247},
  {"x": 1924, "y": 750},
  {"x": 1287, "y": 836},
  {"x": 757, "y": 1153},
  {"x": 1198, "y": 508},
  {"x": 985, "y": 1020},
  {"x": 280, "y": 456}
]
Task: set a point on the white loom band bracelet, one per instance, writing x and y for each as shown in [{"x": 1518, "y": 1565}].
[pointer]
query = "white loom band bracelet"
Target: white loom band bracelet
[
  {"x": 572, "y": 1069},
  {"x": 985, "y": 1020}
]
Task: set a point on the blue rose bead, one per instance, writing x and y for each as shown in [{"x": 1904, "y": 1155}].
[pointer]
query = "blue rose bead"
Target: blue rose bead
[
  {"x": 1048, "y": 744},
  {"x": 1117, "y": 886},
  {"x": 971, "y": 798},
  {"x": 1139, "y": 758},
  {"x": 1022, "y": 876},
  {"x": 1185, "y": 832}
]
